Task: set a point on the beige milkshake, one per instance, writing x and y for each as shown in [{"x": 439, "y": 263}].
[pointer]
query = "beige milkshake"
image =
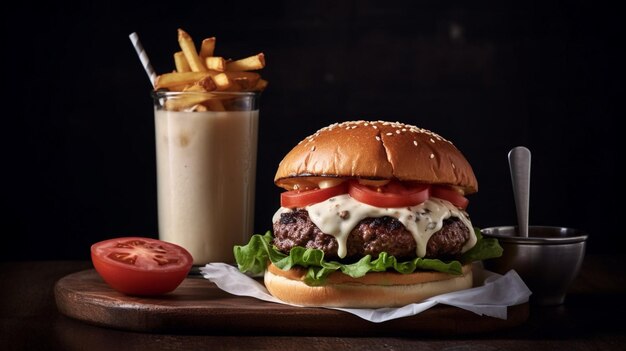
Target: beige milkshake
[
  {"x": 206, "y": 164},
  {"x": 206, "y": 119}
]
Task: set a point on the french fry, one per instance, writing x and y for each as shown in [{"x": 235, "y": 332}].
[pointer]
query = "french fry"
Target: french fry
[
  {"x": 189, "y": 49},
  {"x": 215, "y": 105},
  {"x": 199, "y": 108},
  {"x": 203, "y": 85},
  {"x": 179, "y": 87},
  {"x": 185, "y": 101},
  {"x": 181, "y": 62},
  {"x": 207, "y": 48},
  {"x": 245, "y": 80},
  {"x": 199, "y": 102},
  {"x": 247, "y": 64},
  {"x": 168, "y": 80},
  {"x": 207, "y": 83},
  {"x": 260, "y": 85},
  {"x": 215, "y": 63},
  {"x": 211, "y": 103},
  {"x": 195, "y": 88},
  {"x": 222, "y": 81}
]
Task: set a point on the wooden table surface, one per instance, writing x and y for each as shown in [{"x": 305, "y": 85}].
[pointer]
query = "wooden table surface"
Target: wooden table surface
[{"x": 590, "y": 319}]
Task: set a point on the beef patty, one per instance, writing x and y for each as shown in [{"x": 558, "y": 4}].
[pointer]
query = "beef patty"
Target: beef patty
[{"x": 371, "y": 236}]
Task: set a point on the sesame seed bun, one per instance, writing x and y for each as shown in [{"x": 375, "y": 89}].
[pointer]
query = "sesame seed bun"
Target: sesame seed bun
[
  {"x": 374, "y": 290},
  {"x": 377, "y": 150}
]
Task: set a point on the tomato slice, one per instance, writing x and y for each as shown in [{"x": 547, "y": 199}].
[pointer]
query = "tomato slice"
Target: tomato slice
[
  {"x": 450, "y": 195},
  {"x": 296, "y": 198},
  {"x": 141, "y": 266},
  {"x": 393, "y": 194}
]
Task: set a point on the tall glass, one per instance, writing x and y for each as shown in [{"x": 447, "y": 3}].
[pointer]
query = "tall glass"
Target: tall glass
[{"x": 206, "y": 146}]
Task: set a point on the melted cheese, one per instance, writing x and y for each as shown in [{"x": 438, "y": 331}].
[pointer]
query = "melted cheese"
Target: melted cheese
[{"x": 338, "y": 215}]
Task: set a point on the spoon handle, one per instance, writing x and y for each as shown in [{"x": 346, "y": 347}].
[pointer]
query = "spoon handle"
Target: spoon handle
[{"x": 519, "y": 164}]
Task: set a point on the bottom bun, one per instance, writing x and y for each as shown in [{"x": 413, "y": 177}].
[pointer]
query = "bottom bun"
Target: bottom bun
[{"x": 374, "y": 290}]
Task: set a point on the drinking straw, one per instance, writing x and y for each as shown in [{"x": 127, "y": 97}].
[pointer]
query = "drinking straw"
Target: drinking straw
[{"x": 145, "y": 62}]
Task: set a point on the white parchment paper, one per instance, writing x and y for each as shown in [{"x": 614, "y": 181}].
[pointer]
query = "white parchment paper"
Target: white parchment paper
[{"x": 491, "y": 295}]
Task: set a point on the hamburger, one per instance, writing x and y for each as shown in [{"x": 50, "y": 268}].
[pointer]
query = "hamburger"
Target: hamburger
[{"x": 374, "y": 215}]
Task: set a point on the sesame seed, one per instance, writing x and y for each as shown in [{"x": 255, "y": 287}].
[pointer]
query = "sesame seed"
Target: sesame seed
[
  {"x": 366, "y": 124},
  {"x": 404, "y": 129},
  {"x": 415, "y": 142},
  {"x": 377, "y": 138},
  {"x": 432, "y": 141},
  {"x": 432, "y": 155},
  {"x": 390, "y": 134},
  {"x": 354, "y": 127},
  {"x": 313, "y": 148},
  {"x": 348, "y": 127},
  {"x": 374, "y": 127},
  {"x": 453, "y": 166},
  {"x": 398, "y": 131}
]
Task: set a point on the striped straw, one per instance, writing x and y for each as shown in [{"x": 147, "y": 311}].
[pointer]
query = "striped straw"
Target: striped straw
[{"x": 134, "y": 38}]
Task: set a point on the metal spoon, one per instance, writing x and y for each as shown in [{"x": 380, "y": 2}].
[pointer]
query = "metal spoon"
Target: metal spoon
[{"x": 519, "y": 164}]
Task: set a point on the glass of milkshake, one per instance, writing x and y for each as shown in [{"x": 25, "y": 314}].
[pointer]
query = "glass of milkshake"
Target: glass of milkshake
[{"x": 206, "y": 146}]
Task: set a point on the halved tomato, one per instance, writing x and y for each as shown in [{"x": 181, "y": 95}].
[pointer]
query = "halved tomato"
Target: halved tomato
[
  {"x": 450, "y": 195},
  {"x": 141, "y": 266},
  {"x": 393, "y": 194},
  {"x": 296, "y": 198}
]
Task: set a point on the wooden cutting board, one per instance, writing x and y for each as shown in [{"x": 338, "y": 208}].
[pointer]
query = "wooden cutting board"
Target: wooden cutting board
[{"x": 198, "y": 306}]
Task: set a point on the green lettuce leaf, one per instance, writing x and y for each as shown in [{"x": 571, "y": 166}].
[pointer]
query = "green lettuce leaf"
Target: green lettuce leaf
[
  {"x": 255, "y": 256},
  {"x": 485, "y": 248}
]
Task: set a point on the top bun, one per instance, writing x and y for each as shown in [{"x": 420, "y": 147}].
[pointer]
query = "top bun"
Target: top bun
[{"x": 377, "y": 150}]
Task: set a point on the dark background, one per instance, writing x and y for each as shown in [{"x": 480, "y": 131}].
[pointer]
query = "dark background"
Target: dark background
[{"x": 79, "y": 156}]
